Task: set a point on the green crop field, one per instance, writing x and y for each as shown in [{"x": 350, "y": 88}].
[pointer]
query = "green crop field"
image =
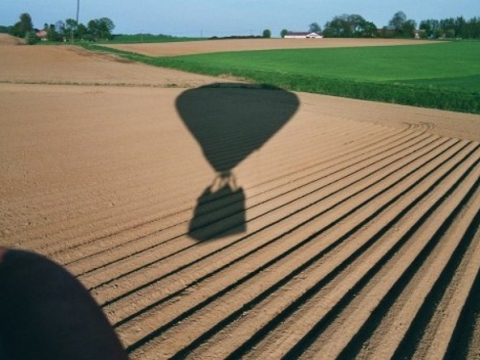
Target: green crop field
[
  {"x": 443, "y": 75},
  {"x": 453, "y": 65}
]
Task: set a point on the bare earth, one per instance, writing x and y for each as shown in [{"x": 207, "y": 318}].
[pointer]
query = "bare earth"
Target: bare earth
[
  {"x": 69, "y": 65},
  {"x": 209, "y": 46},
  {"x": 352, "y": 230}
]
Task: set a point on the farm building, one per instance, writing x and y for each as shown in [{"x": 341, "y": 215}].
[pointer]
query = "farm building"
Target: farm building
[
  {"x": 42, "y": 34},
  {"x": 303, "y": 35}
]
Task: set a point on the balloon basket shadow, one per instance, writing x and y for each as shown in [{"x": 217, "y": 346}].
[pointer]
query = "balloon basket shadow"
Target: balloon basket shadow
[{"x": 220, "y": 210}]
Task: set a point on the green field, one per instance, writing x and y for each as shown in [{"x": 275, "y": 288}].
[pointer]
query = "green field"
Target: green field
[
  {"x": 441, "y": 64},
  {"x": 443, "y": 75}
]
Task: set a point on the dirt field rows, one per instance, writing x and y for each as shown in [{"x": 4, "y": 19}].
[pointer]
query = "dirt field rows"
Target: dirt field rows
[{"x": 338, "y": 228}]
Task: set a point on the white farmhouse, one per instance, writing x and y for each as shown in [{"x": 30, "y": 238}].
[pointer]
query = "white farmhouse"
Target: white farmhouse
[{"x": 303, "y": 35}]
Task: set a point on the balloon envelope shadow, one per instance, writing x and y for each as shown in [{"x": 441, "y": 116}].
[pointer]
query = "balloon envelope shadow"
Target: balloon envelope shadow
[{"x": 230, "y": 121}]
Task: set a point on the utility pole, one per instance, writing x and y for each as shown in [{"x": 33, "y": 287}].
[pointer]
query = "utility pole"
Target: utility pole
[{"x": 78, "y": 10}]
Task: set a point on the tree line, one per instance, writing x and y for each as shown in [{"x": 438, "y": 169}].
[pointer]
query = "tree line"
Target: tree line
[
  {"x": 354, "y": 25},
  {"x": 68, "y": 30}
]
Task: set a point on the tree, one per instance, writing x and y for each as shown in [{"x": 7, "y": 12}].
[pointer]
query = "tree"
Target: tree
[
  {"x": 350, "y": 26},
  {"x": 401, "y": 26},
  {"x": 70, "y": 24},
  {"x": 21, "y": 28},
  {"x": 26, "y": 23},
  {"x": 52, "y": 34},
  {"x": 337, "y": 27},
  {"x": 267, "y": 34},
  {"x": 283, "y": 33},
  {"x": 81, "y": 31},
  {"x": 356, "y": 24},
  {"x": 474, "y": 28},
  {"x": 92, "y": 27},
  {"x": 106, "y": 26},
  {"x": 31, "y": 38},
  {"x": 101, "y": 28},
  {"x": 451, "y": 28},
  {"x": 397, "y": 22},
  {"x": 448, "y": 27},
  {"x": 409, "y": 28},
  {"x": 430, "y": 27},
  {"x": 70, "y": 27},
  {"x": 461, "y": 27},
  {"x": 370, "y": 29},
  {"x": 60, "y": 29},
  {"x": 314, "y": 27}
]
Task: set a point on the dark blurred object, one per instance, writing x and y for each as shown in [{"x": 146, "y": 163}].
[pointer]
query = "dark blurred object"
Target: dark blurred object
[{"x": 46, "y": 313}]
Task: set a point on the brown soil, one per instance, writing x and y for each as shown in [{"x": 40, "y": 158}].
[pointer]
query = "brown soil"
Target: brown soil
[
  {"x": 71, "y": 65},
  {"x": 7, "y": 40},
  {"x": 356, "y": 233},
  {"x": 208, "y": 46}
]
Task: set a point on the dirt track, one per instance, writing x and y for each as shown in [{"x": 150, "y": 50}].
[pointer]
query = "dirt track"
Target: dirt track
[{"x": 361, "y": 234}]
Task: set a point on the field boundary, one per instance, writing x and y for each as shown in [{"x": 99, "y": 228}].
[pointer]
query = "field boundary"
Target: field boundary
[{"x": 94, "y": 84}]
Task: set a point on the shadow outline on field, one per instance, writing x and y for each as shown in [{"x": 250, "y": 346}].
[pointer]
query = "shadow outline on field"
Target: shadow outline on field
[{"x": 230, "y": 121}]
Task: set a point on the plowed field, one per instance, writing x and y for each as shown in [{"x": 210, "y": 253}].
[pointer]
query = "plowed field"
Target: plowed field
[{"x": 235, "y": 222}]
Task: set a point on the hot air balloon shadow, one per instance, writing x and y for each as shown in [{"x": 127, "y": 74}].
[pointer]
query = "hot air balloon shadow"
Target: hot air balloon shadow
[{"x": 230, "y": 121}]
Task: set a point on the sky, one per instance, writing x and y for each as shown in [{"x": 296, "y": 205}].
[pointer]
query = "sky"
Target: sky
[{"x": 202, "y": 18}]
